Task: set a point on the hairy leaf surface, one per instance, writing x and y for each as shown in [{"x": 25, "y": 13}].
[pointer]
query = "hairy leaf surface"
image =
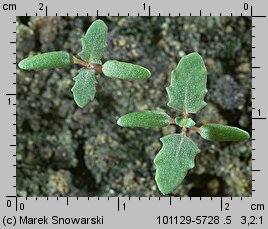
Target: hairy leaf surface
[
  {"x": 188, "y": 84},
  {"x": 94, "y": 42},
  {"x": 173, "y": 161},
  {"x": 57, "y": 59},
  {"x": 218, "y": 132},
  {"x": 84, "y": 88},
  {"x": 144, "y": 119},
  {"x": 123, "y": 70}
]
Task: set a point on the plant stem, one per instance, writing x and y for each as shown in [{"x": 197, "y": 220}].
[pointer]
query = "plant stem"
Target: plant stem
[
  {"x": 194, "y": 128},
  {"x": 96, "y": 67},
  {"x": 185, "y": 115},
  {"x": 80, "y": 62},
  {"x": 172, "y": 121},
  {"x": 184, "y": 129}
]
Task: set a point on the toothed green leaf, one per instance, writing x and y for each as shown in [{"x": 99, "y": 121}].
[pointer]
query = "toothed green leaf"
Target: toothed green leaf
[
  {"x": 122, "y": 70},
  {"x": 173, "y": 161},
  {"x": 188, "y": 84},
  {"x": 84, "y": 88},
  {"x": 57, "y": 59},
  {"x": 94, "y": 42},
  {"x": 218, "y": 132},
  {"x": 144, "y": 119}
]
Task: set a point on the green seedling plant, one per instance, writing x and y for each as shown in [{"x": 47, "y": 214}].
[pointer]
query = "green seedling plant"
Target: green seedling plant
[
  {"x": 186, "y": 94},
  {"x": 93, "y": 46}
]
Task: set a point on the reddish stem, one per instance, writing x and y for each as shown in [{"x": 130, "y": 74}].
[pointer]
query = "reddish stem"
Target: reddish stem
[
  {"x": 195, "y": 128},
  {"x": 80, "y": 62},
  {"x": 96, "y": 67}
]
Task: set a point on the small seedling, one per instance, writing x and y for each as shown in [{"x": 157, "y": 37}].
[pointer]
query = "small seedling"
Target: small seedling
[
  {"x": 186, "y": 94},
  {"x": 93, "y": 46}
]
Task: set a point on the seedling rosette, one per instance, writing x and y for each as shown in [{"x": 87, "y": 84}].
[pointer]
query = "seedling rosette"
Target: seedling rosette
[
  {"x": 93, "y": 47},
  {"x": 186, "y": 94}
]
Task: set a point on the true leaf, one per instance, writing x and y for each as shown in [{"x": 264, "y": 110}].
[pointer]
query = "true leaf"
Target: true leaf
[
  {"x": 218, "y": 132},
  {"x": 173, "y": 161},
  {"x": 144, "y": 119},
  {"x": 123, "y": 70},
  {"x": 94, "y": 42},
  {"x": 57, "y": 59},
  {"x": 188, "y": 84},
  {"x": 185, "y": 122},
  {"x": 84, "y": 88}
]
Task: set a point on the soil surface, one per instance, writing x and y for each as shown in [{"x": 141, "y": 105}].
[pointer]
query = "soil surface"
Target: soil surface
[{"x": 63, "y": 150}]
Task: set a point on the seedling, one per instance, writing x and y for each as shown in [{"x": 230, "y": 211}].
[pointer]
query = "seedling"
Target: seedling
[
  {"x": 186, "y": 94},
  {"x": 93, "y": 46}
]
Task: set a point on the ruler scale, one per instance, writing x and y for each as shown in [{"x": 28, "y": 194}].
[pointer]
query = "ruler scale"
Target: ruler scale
[{"x": 133, "y": 212}]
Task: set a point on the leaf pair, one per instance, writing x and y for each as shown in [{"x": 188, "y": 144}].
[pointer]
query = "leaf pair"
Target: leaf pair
[
  {"x": 93, "y": 46},
  {"x": 186, "y": 94}
]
